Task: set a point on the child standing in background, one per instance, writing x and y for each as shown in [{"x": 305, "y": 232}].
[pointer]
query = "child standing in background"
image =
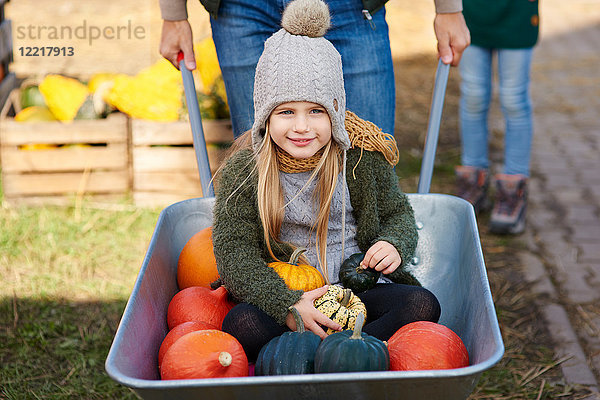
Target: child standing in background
[
  {"x": 506, "y": 30},
  {"x": 317, "y": 177}
]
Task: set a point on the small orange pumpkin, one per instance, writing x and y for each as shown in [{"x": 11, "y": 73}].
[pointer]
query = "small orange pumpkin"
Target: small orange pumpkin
[
  {"x": 198, "y": 303},
  {"x": 298, "y": 276},
  {"x": 197, "y": 265},
  {"x": 204, "y": 354},
  {"x": 179, "y": 331}
]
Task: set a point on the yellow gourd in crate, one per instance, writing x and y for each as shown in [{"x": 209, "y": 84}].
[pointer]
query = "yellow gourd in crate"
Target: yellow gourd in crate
[
  {"x": 153, "y": 94},
  {"x": 35, "y": 114},
  {"x": 63, "y": 95},
  {"x": 208, "y": 69}
]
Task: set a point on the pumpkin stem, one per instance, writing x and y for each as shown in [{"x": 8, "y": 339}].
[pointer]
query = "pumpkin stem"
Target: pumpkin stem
[
  {"x": 298, "y": 319},
  {"x": 358, "y": 325},
  {"x": 225, "y": 359},
  {"x": 295, "y": 255},
  {"x": 346, "y": 299}
]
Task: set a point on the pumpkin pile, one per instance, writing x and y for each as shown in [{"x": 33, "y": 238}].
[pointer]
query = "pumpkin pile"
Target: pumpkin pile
[{"x": 196, "y": 348}]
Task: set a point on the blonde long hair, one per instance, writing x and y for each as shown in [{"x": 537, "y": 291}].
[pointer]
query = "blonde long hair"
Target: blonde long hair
[{"x": 271, "y": 205}]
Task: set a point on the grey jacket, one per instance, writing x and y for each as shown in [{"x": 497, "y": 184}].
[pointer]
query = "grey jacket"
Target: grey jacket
[{"x": 174, "y": 10}]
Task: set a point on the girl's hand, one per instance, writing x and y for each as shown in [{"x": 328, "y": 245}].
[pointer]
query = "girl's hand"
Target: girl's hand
[
  {"x": 383, "y": 257},
  {"x": 312, "y": 318}
]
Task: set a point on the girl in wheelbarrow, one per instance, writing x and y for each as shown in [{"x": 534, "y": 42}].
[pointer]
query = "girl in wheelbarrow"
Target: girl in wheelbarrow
[{"x": 312, "y": 175}]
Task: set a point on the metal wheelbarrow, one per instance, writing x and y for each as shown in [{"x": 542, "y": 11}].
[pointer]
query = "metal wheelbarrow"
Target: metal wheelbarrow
[{"x": 449, "y": 262}]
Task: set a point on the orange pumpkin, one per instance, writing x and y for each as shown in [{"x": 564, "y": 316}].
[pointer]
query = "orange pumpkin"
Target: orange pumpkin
[
  {"x": 204, "y": 354},
  {"x": 298, "y": 276},
  {"x": 197, "y": 265},
  {"x": 177, "y": 332},
  {"x": 425, "y": 345},
  {"x": 199, "y": 304}
]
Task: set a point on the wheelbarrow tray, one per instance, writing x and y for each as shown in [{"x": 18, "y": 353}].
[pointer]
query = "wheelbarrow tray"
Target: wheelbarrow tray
[{"x": 449, "y": 262}]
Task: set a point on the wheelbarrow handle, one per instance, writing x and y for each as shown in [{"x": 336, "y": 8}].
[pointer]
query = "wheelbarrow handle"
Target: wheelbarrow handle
[
  {"x": 433, "y": 127},
  {"x": 197, "y": 131}
]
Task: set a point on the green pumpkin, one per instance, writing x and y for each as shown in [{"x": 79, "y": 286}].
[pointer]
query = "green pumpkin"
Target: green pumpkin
[
  {"x": 31, "y": 96},
  {"x": 354, "y": 277},
  {"x": 86, "y": 110},
  {"x": 290, "y": 353},
  {"x": 352, "y": 351}
]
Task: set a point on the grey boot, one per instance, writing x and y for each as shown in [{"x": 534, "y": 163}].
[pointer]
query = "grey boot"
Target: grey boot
[
  {"x": 472, "y": 185},
  {"x": 508, "y": 215}
]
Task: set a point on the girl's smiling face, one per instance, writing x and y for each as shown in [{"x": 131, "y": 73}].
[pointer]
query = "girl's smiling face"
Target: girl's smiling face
[{"x": 300, "y": 128}]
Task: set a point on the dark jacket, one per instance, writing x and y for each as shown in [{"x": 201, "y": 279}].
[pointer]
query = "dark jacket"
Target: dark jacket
[
  {"x": 381, "y": 210},
  {"x": 502, "y": 24}
]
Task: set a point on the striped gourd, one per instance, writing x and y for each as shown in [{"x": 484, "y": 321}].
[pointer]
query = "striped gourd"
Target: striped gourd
[{"x": 341, "y": 306}]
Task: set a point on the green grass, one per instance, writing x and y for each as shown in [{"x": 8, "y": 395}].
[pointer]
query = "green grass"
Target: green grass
[
  {"x": 67, "y": 273},
  {"x": 56, "y": 348}
]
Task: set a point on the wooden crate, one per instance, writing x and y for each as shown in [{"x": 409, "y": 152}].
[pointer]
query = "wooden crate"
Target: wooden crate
[
  {"x": 51, "y": 162},
  {"x": 165, "y": 170}
]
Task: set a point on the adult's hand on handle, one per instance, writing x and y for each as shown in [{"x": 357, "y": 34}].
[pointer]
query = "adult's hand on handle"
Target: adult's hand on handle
[
  {"x": 452, "y": 35},
  {"x": 176, "y": 36},
  {"x": 313, "y": 319}
]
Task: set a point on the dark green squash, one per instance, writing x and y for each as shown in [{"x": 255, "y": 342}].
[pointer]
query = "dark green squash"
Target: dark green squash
[
  {"x": 290, "y": 353},
  {"x": 352, "y": 351},
  {"x": 354, "y": 277}
]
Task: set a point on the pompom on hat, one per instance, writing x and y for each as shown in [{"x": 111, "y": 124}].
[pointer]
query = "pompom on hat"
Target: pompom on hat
[{"x": 299, "y": 64}]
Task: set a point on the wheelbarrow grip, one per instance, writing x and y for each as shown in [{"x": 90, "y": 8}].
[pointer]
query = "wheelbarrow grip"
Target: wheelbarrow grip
[
  {"x": 197, "y": 131},
  {"x": 433, "y": 127}
]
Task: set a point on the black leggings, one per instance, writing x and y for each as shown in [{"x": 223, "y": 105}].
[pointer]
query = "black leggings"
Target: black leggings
[{"x": 389, "y": 307}]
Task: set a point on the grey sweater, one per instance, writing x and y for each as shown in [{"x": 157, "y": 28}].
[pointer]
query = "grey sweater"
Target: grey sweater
[
  {"x": 380, "y": 209},
  {"x": 300, "y": 216}
]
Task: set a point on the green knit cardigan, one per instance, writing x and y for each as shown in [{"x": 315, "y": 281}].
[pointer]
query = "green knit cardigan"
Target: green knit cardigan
[{"x": 381, "y": 210}]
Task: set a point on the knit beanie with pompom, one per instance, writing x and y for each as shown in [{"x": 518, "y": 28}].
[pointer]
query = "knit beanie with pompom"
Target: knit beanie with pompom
[{"x": 299, "y": 64}]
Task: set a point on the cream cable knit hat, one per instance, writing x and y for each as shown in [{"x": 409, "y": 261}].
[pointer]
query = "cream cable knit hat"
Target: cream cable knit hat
[{"x": 299, "y": 64}]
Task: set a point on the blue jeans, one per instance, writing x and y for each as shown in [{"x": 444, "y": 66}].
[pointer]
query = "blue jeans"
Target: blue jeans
[
  {"x": 242, "y": 27},
  {"x": 476, "y": 93}
]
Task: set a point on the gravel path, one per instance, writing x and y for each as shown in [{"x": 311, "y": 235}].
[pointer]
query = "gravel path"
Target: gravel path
[{"x": 563, "y": 261}]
